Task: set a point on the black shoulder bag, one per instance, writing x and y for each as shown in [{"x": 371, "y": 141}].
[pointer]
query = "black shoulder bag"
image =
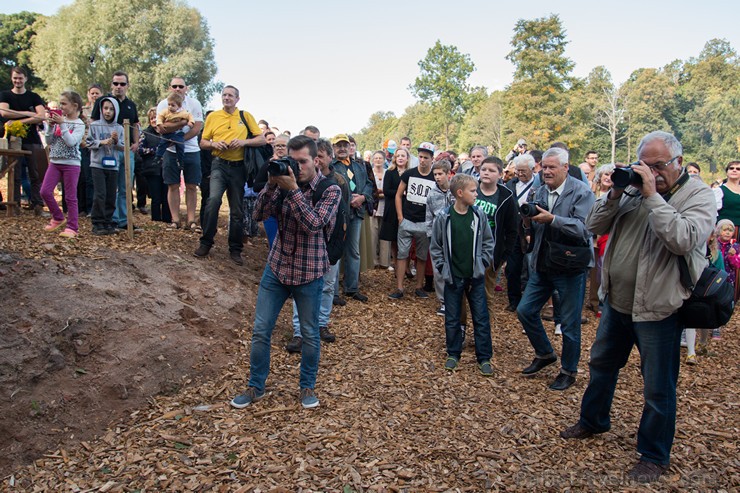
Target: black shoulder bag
[
  {"x": 255, "y": 158},
  {"x": 712, "y": 299}
]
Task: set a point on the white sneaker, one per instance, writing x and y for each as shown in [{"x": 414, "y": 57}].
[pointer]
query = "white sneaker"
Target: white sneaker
[
  {"x": 390, "y": 268},
  {"x": 558, "y": 332},
  {"x": 683, "y": 339}
]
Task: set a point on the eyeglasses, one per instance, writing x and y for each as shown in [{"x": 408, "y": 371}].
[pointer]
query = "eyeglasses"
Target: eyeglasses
[
  {"x": 123, "y": 84},
  {"x": 177, "y": 86},
  {"x": 659, "y": 166}
]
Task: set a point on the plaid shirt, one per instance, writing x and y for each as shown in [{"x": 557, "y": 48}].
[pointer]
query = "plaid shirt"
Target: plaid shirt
[{"x": 298, "y": 254}]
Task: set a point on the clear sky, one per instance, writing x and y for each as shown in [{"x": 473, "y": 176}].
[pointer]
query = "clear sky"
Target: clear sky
[{"x": 333, "y": 63}]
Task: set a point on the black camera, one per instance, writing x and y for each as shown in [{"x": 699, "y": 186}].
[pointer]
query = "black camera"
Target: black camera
[
  {"x": 529, "y": 209},
  {"x": 280, "y": 167},
  {"x": 621, "y": 177}
]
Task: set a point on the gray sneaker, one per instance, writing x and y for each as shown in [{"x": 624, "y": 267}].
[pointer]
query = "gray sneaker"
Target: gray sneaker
[
  {"x": 249, "y": 396},
  {"x": 309, "y": 399},
  {"x": 485, "y": 368},
  {"x": 451, "y": 363}
]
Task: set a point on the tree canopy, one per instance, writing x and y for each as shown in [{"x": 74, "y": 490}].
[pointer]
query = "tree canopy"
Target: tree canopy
[
  {"x": 443, "y": 83},
  {"x": 16, "y": 33},
  {"x": 696, "y": 99},
  {"x": 151, "y": 40}
]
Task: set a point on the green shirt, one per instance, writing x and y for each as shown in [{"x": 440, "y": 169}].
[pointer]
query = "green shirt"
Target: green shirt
[{"x": 461, "y": 244}]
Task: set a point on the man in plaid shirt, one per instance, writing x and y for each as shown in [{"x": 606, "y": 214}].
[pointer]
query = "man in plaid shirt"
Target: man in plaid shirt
[{"x": 295, "y": 267}]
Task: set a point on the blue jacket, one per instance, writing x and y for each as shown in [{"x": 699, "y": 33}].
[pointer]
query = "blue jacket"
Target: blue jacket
[{"x": 570, "y": 211}]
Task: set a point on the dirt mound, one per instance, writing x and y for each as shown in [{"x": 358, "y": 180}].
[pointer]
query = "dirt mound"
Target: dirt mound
[{"x": 90, "y": 333}]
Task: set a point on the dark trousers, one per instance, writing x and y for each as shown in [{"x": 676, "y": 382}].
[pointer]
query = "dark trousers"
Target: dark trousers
[
  {"x": 158, "y": 192},
  {"x": 33, "y": 166},
  {"x": 105, "y": 186},
  {"x": 229, "y": 177},
  {"x": 142, "y": 189},
  {"x": 205, "y": 192},
  {"x": 513, "y": 272},
  {"x": 85, "y": 184}
]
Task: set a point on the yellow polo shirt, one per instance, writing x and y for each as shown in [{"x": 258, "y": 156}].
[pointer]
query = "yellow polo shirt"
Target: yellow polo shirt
[{"x": 221, "y": 126}]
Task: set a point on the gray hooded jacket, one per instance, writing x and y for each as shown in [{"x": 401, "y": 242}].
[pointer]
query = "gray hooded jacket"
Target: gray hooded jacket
[{"x": 103, "y": 156}]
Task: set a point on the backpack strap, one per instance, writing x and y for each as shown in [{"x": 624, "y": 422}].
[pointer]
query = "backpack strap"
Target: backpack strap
[{"x": 249, "y": 132}]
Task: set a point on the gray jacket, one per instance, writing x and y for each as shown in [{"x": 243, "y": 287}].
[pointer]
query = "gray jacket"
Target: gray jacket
[
  {"x": 680, "y": 226},
  {"x": 437, "y": 202},
  {"x": 441, "y": 249},
  {"x": 570, "y": 211}
]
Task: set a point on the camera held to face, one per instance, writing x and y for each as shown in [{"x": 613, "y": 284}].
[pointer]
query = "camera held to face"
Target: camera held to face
[
  {"x": 280, "y": 167},
  {"x": 529, "y": 209},
  {"x": 621, "y": 177}
]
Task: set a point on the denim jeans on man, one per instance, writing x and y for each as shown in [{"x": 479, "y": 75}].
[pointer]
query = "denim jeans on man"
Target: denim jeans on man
[
  {"x": 121, "y": 212},
  {"x": 327, "y": 297},
  {"x": 229, "y": 177},
  {"x": 271, "y": 297},
  {"x": 659, "y": 346},
  {"x": 475, "y": 291},
  {"x": 539, "y": 288}
]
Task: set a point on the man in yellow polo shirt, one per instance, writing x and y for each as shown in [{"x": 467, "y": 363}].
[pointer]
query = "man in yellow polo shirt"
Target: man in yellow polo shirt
[{"x": 225, "y": 135}]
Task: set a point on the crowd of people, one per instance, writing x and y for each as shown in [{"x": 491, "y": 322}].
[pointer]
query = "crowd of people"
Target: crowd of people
[{"x": 454, "y": 225}]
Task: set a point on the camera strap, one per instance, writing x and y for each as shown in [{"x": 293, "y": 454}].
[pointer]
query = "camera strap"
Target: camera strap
[{"x": 676, "y": 186}]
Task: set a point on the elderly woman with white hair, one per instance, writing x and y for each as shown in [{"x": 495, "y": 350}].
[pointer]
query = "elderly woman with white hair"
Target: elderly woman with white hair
[{"x": 603, "y": 179}]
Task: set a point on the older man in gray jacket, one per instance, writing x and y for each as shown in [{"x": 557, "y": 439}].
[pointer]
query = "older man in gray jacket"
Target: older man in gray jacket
[
  {"x": 561, "y": 253},
  {"x": 650, "y": 224}
]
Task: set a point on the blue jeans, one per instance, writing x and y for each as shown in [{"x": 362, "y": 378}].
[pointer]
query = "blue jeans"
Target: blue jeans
[
  {"x": 659, "y": 346},
  {"x": 229, "y": 177},
  {"x": 271, "y": 297},
  {"x": 475, "y": 291},
  {"x": 351, "y": 256},
  {"x": 120, "y": 215},
  {"x": 539, "y": 288},
  {"x": 179, "y": 138},
  {"x": 327, "y": 296}
]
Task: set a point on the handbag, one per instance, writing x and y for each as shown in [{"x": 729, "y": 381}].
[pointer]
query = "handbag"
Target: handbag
[
  {"x": 255, "y": 158},
  {"x": 566, "y": 259},
  {"x": 712, "y": 299}
]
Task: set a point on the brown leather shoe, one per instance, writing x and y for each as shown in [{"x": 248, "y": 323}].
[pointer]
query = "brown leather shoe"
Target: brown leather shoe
[
  {"x": 647, "y": 472},
  {"x": 576, "y": 432}
]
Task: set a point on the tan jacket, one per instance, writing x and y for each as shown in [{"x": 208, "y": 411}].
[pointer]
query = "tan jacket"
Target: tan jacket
[{"x": 680, "y": 226}]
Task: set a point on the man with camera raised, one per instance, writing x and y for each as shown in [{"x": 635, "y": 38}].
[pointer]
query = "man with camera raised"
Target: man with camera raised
[
  {"x": 225, "y": 135},
  {"x": 296, "y": 264},
  {"x": 561, "y": 252},
  {"x": 653, "y": 214}
]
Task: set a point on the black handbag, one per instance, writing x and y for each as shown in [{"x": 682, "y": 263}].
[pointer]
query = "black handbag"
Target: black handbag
[
  {"x": 712, "y": 298},
  {"x": 255, "y": 158},
  {"x": 566, "y": 259}
]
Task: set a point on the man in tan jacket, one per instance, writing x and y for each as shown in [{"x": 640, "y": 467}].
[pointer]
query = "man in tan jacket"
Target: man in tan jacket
[{"x": 660, "y": 216}]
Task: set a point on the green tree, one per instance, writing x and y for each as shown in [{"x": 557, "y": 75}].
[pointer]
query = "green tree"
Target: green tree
[
  {"x": 484, "y": 125},
  {"x": 151, "y": 40},
  {"x": 538, "y": 103},
  {"x": 443, "y": 83},
  {"x": 16, "y": 33},
  {"x": 382, "y": 125},
  {"x": 708, "y": 96},
  {"x": 650, "y": 103}
]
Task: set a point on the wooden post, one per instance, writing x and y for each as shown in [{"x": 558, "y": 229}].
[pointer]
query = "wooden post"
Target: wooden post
[{"x": 127, "y": 170}]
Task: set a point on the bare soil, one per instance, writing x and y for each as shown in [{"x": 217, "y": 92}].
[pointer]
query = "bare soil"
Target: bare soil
[{"x": 118, "y": 359}]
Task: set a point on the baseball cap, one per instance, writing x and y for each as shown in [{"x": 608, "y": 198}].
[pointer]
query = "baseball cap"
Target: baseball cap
[
  {"x": 521, "y": 142},
  {"x": 339, "y": 138},
  {"x": 426, "y": 146},
  {"x": 392, "y": 146}
]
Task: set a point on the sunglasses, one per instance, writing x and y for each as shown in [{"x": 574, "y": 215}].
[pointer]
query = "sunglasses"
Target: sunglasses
[
  {"x": 177, "y": 86},
  {"x": 732, "y": 168},
  {"x": 119, "y": 83}
]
